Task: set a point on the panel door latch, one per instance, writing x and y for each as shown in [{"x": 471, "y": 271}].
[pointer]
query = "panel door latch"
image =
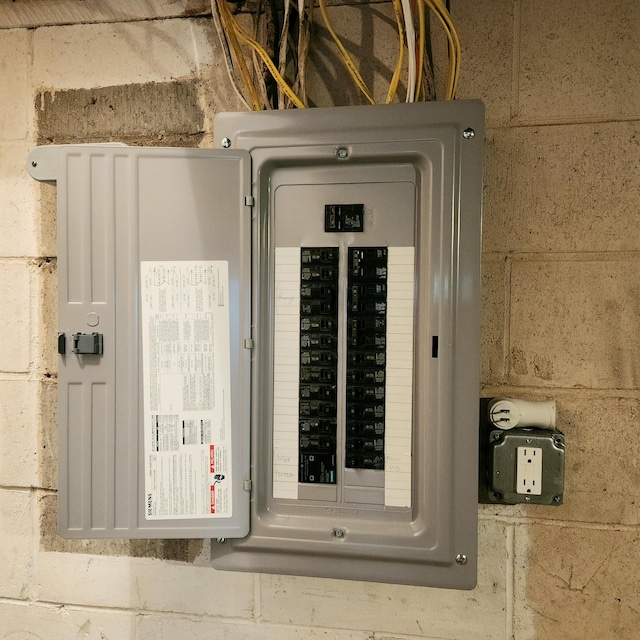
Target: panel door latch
[{"x": 87, "y": 344}]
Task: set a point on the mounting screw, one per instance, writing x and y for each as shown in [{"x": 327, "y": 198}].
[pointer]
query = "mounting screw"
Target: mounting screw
[
  {"x": 226, "y": 143},
  {"x": 496, "y": 436},
  {"x": 342, "y": 153},
  {"x": 557, "y": 499},
  {"x": 461, "y": 558},
  {"x": 34, "y": 163},
  {"x": 338, "y": 533},
  {"x": 527, "y": 498},
  {"x": 468, "y": 133},
  {"x": 221, "y": 540}
]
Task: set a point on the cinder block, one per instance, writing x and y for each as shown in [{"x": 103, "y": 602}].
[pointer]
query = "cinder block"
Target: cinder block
[
  {"x": 216, "y": 91},
  {"x": 19, "y": 418},
  {"x": 576, "y": 583},
  {"x": 578, "y": 60},
  {"x": 103, "y": 55},
  {"x": 48, "y": 434},
  {"x": 494, "y": 309},
  {"x": 155, "y": 627},
  {"x": 45, "y": 284},
  {"x": 35, "y": 621},
  {"x": 561, "y": 189},
  {"x": 602, "y": 477},
  {"x": 156, "y": 114},
  {"x": 17, "y": 535},
  {"x": 24, "y": 14},
  {"x": 485, "y": 28},
  {"x": 368, "y": 32},
  {"x": 147, "y": 584},
  {"x": 397, "y": 609},
  {"x": 15, "y": 65},
  {"x": 46, "y": 216},
  {"x": 574, "y": 324},
  {"x": 15, "y": 302},
  {"x": 17, "y": 199}
]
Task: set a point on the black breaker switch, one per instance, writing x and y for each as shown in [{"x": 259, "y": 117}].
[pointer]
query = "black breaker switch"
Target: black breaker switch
[
  {"x": 344, "y": 218},
  {"x": 366, "y": 357},
  {"x": 318, "y": 412}
]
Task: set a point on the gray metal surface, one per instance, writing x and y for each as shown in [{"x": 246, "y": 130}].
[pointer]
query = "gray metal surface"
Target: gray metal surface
[
  {"x": 301, "y": 160},
  {"x": 116, "y": 208},
  {"x": 503, "y": 466}
]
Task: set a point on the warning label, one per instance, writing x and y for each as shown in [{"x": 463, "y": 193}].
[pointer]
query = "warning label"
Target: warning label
[{"x": 186, "y": 373}]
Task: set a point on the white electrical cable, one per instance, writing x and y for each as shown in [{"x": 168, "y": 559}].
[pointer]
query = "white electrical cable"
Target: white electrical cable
[{"x": 411, "y": 50}]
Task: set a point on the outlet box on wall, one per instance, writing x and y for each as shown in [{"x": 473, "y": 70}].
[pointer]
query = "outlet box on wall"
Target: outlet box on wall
[{"x": 526, "y": 465}]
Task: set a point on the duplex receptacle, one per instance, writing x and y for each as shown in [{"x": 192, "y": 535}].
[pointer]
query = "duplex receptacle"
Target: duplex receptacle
[
  {"x": 526, "y": 465},
  {"x": 529, "y": 471}
]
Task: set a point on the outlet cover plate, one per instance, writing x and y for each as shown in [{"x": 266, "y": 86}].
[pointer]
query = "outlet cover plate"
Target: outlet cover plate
[{"x": 503, "y": 472}]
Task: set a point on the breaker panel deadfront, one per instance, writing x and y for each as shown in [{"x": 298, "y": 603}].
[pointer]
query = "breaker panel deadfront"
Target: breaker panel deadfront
[{"x": 276, "y": 344}]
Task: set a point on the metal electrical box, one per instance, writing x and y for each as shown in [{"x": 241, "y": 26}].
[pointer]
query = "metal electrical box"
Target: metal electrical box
[{"x": 276, "y": 344}]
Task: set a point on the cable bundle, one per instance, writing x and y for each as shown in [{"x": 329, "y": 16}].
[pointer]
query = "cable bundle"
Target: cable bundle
[{"x": 268, "y": 88}]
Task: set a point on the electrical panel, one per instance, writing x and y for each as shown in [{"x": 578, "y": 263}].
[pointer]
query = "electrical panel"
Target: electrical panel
[{"x": 275, "y": 344}]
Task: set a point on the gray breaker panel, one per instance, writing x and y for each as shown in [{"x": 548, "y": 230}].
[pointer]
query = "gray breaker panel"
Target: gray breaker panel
[{"x": 413, "y": 168}]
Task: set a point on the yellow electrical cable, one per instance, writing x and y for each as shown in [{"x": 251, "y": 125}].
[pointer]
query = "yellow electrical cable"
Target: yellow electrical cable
[
  {"x": 282, "y": 50},
  {"x": 227, "y": 22},
  {"x": 268, "y": 62},
  {"x": 393, "y": 86},
  {"x": 452, "y": 53},
  {"x": 351, "y": 67},
  {"x": 421, "y": 46},
  {"x": 228, "y": 60},
  {"x": 454, "y": 33},
  {"x": 442, "y": 14}
]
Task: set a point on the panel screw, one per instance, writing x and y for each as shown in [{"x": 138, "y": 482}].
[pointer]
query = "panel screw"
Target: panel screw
[
  {"x": 469, "y": 133},
  {"x": 342, "y": 153},
  {"x": 557, "y": 499},
  {"x": 527, "y": 498},
  {"x": 461, "y": 558},
  {"x": 338, "y": 533},
  {"x": 34, "y": 163},
  {"x": 496, "y": 436},
  {"x": 221, "y": 540},
  {"x": 226, "y": 143}
]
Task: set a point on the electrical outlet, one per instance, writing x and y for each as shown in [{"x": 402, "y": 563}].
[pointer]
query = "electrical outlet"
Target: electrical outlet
[
  {"x": 525, "y": 465},
  {"x": 529, "y": 471}
]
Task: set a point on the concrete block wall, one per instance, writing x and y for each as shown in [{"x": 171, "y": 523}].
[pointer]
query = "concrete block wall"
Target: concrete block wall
[{"x": 561, "y": 271}]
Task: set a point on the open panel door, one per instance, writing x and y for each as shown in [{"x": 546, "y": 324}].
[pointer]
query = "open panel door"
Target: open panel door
[{"x": 154, "y": 310}]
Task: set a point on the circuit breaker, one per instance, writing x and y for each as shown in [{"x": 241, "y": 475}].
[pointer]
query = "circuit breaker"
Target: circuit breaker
[{"x": 275, "y": 344}]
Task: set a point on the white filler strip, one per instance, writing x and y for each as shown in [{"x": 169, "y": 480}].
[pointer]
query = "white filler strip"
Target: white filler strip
[
  {"x": 187, "y": 380},
  {"x": 286, "y": 372},
  {"x": 399, "y": 377}
]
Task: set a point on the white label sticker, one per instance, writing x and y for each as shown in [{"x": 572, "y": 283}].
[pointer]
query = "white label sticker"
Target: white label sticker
[{"x": 186, "y": 373}]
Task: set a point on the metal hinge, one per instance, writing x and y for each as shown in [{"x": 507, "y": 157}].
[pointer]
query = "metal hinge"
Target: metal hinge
[
  {"x": 248, "y": 343},
  {"x": 249, "y": 201},
  {"x": 248, "y": 485}
]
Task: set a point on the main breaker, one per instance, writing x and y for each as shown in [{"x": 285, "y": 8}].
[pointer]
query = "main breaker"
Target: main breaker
[{"x": 275, "y": 344}]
